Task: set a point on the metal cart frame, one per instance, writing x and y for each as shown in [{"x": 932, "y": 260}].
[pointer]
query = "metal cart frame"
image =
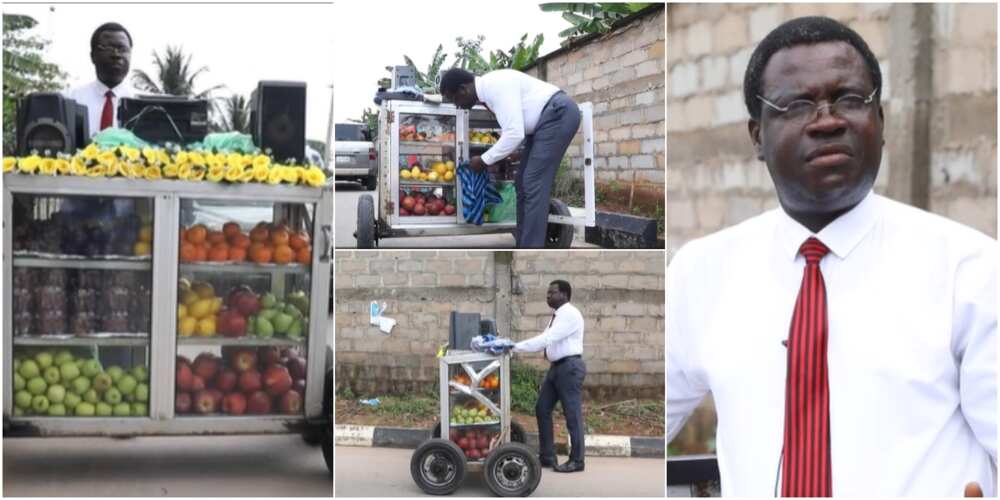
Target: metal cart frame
[{"x": 163, "y": 341}]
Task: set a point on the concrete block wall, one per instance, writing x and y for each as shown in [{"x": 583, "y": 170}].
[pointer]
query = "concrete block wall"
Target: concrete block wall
[
  {"x": 715, "y": 180},
  {"x": 622, "y": 74}
]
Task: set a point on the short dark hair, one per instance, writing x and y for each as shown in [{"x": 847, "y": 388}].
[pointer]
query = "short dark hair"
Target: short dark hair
[
  {"x": 454, "y": 77},
  {"x": 802, "y": 31},
  {"x": 108, "y": 27},
  {"x": 564, "y": 288}
]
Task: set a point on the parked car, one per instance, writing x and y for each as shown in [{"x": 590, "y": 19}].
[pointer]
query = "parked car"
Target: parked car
[{"x": 354, "y": 155}]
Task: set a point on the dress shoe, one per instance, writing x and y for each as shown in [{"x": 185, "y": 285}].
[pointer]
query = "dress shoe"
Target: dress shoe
[
  {"x": 547, "y": 461},
  {"x": 570, "y": 466}
]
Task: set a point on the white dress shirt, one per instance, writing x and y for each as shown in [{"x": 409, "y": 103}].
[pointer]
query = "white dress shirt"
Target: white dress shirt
[
  {"x": 92, "y": 95},
  {"x": 517, "y": 101},
  {"x": 912, "y": 350},
  {"x": 563, "y": 337}
]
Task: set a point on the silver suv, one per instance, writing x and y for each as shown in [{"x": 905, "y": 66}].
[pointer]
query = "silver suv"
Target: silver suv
[{"x": 354, "y": 155}]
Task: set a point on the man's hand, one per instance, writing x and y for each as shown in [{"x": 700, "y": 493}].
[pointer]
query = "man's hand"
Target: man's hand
[
  {"x": 973, "y": 490},
  {"x": 477, "y": 164}
]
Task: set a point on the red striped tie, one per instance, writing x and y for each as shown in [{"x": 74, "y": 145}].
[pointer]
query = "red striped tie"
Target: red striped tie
[
  {"x": 806, "y": 453},
  {"x": 107, "y": 114}
]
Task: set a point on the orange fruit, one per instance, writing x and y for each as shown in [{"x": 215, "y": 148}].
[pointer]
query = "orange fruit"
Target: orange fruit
[
  {"x": 230, "y": 228},
  {"x": 184, "y": 234},
  {"x": 189, "y": 253},
  {"x": 259, "y": 234},
  {"x": 239, "y": 240},
  {"x": 279, "y": 237},
  {"x": 304, "y": 255},
  {"x": 283, "y": 254},
  {"x": 216, "y": 237},
  {"x": 197, "y": 234},
  {"x": 219, "y": 252},
  {"x": 260, "y": 253},
  {"x": 201, "y": 253},
  {"x": 237, "y": 254},
  {"x": 298, "y": 240}
]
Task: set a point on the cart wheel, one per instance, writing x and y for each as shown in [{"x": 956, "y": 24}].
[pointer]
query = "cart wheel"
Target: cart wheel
[
  {"x": 438, "y": 467},
  {"x": 365, "y": 234},
  {"x": 512, "y": 470},
  {"x": 517, "y": 434},
  {"x": 313, "y": 435},
  {"x": 328, "y": 449},
  {"x": 370, "y": 182},
  {"x": 557, "y": 235}
]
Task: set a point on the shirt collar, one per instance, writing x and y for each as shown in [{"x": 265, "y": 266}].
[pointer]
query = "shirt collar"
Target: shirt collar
[
  {"x": 478, "y": 82},
  {"x": 118, "y": 90},
  {"x": 841, "y": 236}
]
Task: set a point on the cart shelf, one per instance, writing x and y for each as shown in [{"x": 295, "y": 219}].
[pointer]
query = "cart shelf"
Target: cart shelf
[
  {"x": 244, "y": 268},
  {"x": 422, "y": 144},
  {"x": 404, "y": 184},
  {"x": 82, "y": 340},
  {"x": 240, "y": 341},
  {"x": 143, "y": 264},
  {"x": 474, "y": 426}
]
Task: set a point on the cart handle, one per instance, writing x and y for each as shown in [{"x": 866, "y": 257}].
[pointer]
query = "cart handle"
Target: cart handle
[{"x": 327, "y": 246}]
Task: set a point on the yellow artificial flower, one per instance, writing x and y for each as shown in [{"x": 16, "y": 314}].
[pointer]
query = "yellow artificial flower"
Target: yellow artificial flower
[
  {"x": 116, "y": 169},
  {"x": 96, "y": 171},
  {"x": 91, "y": 152},
  {"x": 260, "y": 172},
  {"x": 153, "y": 173},
  {"x": 107, "y": 158},
  {"x": 196, "y": 158},
  {"x": 247, "y": 175},
  {"x": 131, "y": 153},
  {"x": 234, "y": 160},
  {"x": 47, "y": 167},
  {"x": 233, "y": 173},
  {"x": 274, "y": 177},
  {"x": 8, "y": 164},
  {"x": 180, "y": 157},
  {"x": 197, "y": 173},
  {"x": 162, "y": 157},
  {"x": 315, "y": 177},
  {"x": 261, "y": 161},
  {"x": 78, "y": 166},
  {"x": 290, "y": 175},
  {"x": 300, "y": 174},
  {"x": 136, "y": 171},
  {"x": 184, "y": 171},
  {"x": 29, "y": 164},
  {"x": 216, "y": 174},
  {"x": 170, "y": 171},
  {"x": 62, "y": 166}
]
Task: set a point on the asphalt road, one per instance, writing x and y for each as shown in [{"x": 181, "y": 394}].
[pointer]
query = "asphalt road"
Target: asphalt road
[
  {"x": 368, "y": 472},
  {"x": 346, "y": 215},
  {"x": 199, "y": 466}
]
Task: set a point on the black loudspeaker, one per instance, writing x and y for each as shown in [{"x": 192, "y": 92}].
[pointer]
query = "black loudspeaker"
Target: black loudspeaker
[
  {"x": 50, "y": 122},
  {"x": 278, "y": 119},
  {"x": 162, "y": 119}
]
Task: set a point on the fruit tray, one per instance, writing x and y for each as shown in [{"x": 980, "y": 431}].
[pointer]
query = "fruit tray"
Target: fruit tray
[
  {"x": 61, "y": 257},
  {"x": 243, "y": 267}
]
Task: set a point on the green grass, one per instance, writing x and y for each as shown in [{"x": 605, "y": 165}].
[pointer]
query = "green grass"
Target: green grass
[{"x": 525, "y": 381}]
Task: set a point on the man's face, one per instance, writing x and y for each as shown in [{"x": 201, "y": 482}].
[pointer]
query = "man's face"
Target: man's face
[
  {"x": 464, "y": 97},
  {"x": 554, "y": 298},
  {"x": 111, "y": 57},
  {"x": 828, "y": 163}
]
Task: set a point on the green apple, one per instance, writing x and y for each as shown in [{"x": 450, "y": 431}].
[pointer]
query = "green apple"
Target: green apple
[
  {"x": 57, "y": 410},
  {"x": 102, "y": 382},
  {"x": 40, "y": 404},
  {"x": 71, "y": 400},
  {"x": 79, "y": 362},
  {"x": 126, "y": 384},
  {"x": 282, "y": 321},
  {"x": 56, "y": 394},
  {"x": 123, "y": 410},
  {"x": 290, "y": 309},
  {"x": 81, "y": 385},
  {"x": 44, "y": 359},
  {"x": 85, "y": 409},
  {"x": 52, "y": 375},
  {"x": 142, "y": 393},
  {"x": 63, "y": 357},
  {"x": 104, "y": 410},
  {"x": 18, "y": 412},
  {"x": 22, "y": 400},
  {"x": 268, "y": 301},
  {"x": 113, "y": 396},
  {"x": 139, "y": 410},
  {"x": 17, "y": 364},
  {"x": 37, "y": 386},
  {"x": 18, "y": 382},
  {"x": 29, "y": 369},
  {"x": 295, "y": 331},
  {"x": 115, "y": 371},
  {"x": 140, "y": 373},
  {"x": 68, "y": 371},
  {"x": 91, "y": 397},
  {"x": 264, "y": 327},
  {"x": 91, "y": 368},
  {"x": 268, "y": 314}
]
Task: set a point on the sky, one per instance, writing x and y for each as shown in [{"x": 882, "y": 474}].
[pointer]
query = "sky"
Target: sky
[{"x": 347, "y": 44}]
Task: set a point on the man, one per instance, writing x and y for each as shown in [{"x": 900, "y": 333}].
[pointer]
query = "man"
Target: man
[
  {"x": 562, "y": 342},
  {"x": 848, "y": 340},
  {"x": 528, "y": 110},
  {"x": 111, "y": 53}
]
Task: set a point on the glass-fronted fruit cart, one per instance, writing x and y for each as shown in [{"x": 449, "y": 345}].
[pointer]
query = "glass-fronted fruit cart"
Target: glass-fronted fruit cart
[
  {"x": 138, "y": 307},
  {"x": 420, "y": 144}
]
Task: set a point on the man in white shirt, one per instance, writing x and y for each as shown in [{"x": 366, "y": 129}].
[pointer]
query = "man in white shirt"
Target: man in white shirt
[
  {"x": 111, "y": 53},
  {"x": 848, "y": 340},
  {"x": 562, "y": 342},
  {"x": 528, "y": 110}
]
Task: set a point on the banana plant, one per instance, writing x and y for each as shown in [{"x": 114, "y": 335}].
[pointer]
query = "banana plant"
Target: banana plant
[{"x": 589, "y": 18}]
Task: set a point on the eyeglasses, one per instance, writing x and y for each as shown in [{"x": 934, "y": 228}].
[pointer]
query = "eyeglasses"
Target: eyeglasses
[
  {"x": 117, "y": 49},
  {"x": 804, "y": 110}
]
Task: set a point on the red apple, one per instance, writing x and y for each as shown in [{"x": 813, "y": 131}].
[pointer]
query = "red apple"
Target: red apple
[
  {"x": 269, "y": 355},
  {"x": 297, "y": 367},
  {"x": 474, "y": 454},
  {"x": 419, "y": 209},
  {"x": 247, "y": 304},
  {"x": 300, "y": 386},
  {"x": 463, "y": 443},
  {"x": 449, "y": 209},
  {"x": 204, "y": 403},
  {"x": 408, "y": 202},
  {"x": 250, "y": 381},
  {"x": 468, "y": 453},
  {"x": 205, "y": 366},
  {"x": 277, "y": 380},
  {"x": 483, "y": 442},
  {"x": 403, "y": 212},
  {"x": 234, "y": 403},
  {"x": 244, "y": 359},
  {"x": 185, "y": 377},
  {"x": 291, "y": 403},
  {"x": 432, "y": 209},
  {"x": 226, "y": 381},
  {"x": 197, "y": 383},
  {"x": 454, "y": 435},
  {"x": 259, "y": 403},
  {"x": 217, "y": 395},
  {"x": 231, "y": 323},
  {"x": 182, "y": 402},
  {"x": 289, "y": 352}
]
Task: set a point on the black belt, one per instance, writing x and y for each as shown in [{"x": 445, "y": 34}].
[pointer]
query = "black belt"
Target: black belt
[{"x": 564, "y": 358}]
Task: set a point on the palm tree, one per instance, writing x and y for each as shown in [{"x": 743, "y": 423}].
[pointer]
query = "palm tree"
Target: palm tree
[
  {"x": 174, "y": 76},
  {"x": 592, "y": 17},
  {"x": 232, "y": 114}
]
